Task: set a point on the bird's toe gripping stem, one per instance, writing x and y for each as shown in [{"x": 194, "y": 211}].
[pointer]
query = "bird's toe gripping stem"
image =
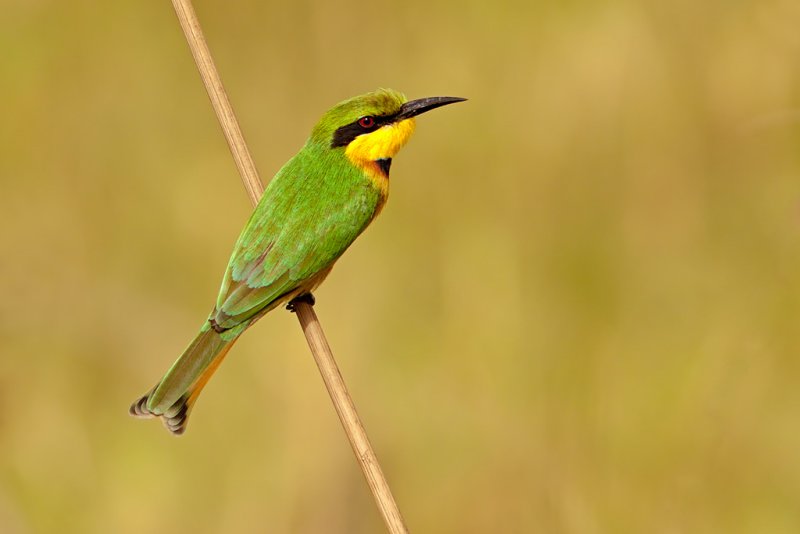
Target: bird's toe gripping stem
[{"x": 308, "y": 298}]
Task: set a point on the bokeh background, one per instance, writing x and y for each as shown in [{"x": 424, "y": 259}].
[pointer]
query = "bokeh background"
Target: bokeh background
[{"x": 577, "y": 314}]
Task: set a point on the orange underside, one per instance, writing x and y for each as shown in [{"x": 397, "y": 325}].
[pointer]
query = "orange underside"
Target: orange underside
[
  {"x": 310, "y": 285},
  {"x": 204, "y": 378}
]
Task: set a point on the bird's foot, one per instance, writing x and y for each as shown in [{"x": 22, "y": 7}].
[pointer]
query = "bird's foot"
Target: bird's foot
[{"x": 308, "y": 298}]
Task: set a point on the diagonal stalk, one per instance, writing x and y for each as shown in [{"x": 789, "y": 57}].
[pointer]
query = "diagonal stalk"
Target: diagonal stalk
[{"x": 312, "y": 328}]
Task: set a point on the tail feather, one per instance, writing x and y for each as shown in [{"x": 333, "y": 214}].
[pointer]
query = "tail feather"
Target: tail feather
[
  {"x": 173, "y": 397},
  {"x": 174, "y": 419}
]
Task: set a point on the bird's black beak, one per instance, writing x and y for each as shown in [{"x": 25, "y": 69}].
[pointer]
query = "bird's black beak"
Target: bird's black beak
[{"x": 416, "y": 107}]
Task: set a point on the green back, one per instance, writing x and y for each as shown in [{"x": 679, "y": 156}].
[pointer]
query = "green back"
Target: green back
[{"x": 312, "y": 210}]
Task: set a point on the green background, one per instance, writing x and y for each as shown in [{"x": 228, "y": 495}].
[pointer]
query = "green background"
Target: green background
[{"x": 578, "y": 312}]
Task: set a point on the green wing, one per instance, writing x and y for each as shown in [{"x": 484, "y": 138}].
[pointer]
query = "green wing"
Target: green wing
[{"x": 313, "y": 209}]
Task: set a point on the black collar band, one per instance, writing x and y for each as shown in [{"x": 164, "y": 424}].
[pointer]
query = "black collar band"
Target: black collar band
[{"x": 385, "y": 164}]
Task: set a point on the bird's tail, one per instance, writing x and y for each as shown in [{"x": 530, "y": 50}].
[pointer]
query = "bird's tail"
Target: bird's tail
[{"x": 173, "y": 397}]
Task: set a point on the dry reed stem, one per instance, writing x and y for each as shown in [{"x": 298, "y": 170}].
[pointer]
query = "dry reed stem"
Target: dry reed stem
[
  {"x": 349, "y": 417},
  {"x": 305, "y": 312}
]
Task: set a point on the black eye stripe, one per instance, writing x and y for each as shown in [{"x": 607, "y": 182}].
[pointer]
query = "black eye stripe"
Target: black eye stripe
[{"x": 345, "y": 134}]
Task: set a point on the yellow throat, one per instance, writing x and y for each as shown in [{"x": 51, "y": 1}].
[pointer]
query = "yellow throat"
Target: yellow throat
[{"x": 383, "y": 143}]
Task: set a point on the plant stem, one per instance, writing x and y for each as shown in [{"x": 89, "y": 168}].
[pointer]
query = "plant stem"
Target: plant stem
[{"x": 312, "y": 329}]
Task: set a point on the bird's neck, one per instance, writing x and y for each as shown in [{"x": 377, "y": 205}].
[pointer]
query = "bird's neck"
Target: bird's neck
[
  {"x": 377, "y": 172},
  {"x": 325, "y": 162}
]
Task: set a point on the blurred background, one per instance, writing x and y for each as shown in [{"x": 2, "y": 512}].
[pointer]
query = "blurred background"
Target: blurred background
[{"x": 577, "y": 314}]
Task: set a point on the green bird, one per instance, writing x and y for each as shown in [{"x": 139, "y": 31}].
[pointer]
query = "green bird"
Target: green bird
[{"x": 312, "y": 210}]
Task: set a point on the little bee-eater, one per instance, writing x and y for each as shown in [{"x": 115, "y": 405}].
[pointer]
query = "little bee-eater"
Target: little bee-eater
[{"x": 312, "y": 210}]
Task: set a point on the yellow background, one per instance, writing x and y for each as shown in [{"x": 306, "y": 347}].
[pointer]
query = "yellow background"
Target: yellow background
[{"x": 578, "y": 312}]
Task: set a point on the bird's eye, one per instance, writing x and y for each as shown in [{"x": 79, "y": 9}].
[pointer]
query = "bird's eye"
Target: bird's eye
[{"x": 366, "y": 122}]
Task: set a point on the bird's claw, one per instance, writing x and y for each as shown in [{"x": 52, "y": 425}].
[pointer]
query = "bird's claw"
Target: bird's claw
[{"x": 308, "y": 298}]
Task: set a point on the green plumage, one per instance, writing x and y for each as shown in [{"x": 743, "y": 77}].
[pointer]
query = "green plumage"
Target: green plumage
[{"x": 312, "y": 210}]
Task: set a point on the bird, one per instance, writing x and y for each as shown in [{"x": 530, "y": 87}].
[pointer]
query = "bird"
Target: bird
[{"x": 317, "y": 204}]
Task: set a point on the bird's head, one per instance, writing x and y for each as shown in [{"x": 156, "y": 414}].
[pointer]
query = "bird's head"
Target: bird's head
[{"x": 373, "y": 127}]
